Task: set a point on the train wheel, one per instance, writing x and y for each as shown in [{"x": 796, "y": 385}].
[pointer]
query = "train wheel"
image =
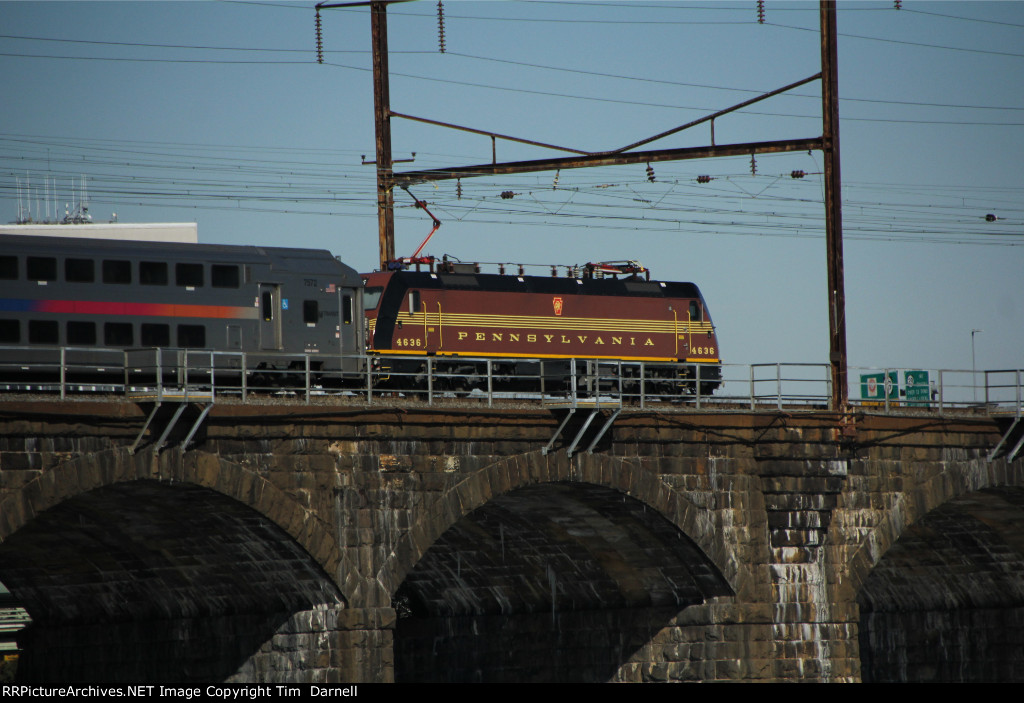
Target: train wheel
[
  {"x": 420, "y": 386},
  {"x": 460, "y": 386}
]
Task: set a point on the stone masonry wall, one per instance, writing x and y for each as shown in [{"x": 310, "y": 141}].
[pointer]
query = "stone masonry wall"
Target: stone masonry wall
[{"x": 793, "y": 510}]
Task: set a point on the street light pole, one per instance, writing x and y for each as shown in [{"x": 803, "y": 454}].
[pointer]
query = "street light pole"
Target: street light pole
[{"x": 974, "y": 372}]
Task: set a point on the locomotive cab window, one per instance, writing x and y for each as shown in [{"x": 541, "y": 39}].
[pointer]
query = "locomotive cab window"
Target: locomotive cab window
[
  {"x": 694, "y": 311},
  {"x": 414, "y": 301},
  {"x": 224, "y": 276},
  {"x": 117, "y": 271},
  {"x": 79, "y": 271},
  {"x": 371, "y": 297},
  {"x": 41, "y": 268},
  {"x": 346, "y": 309},
  {"x": 153, "y": 273},
  {"x": 8, "y": 267},
  {"x": 188, "y": 275}
]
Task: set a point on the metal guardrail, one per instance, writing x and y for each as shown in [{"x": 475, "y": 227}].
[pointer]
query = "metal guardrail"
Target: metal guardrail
[
  {"x": 992, "y": 392},
  {"x": 61, "y": 369},
  {"x": 305, "y": 377}
]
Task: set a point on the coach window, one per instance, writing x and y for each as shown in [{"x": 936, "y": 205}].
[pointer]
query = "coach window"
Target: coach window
[
  {"x": 694, "y": 311},
  {"x": 81, "y": 333},
  {"x": 153, "y": 273},
  {"x": 191, "y": 336},
  {"x": 41, "y": 268},
  {"x": 155, "y": 335},
  {"x": 79, "y": 271},
  {"x": 223, "y": 276},
  {"x": 188, "y": 275},
  {"x": 43, "y": 332},
  {"x": 117, "y": 271},
  {"x": 310, "y": 312},
  {"x": 10, "y": 332},
  {"x": 8, "y": 267},
  {"x": 118, "y": 334}
]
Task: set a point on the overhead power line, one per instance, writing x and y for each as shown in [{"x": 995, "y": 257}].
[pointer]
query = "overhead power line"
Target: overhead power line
[
  {"x": 641, "y": 79},
  {"x": 906, "y": 42}
]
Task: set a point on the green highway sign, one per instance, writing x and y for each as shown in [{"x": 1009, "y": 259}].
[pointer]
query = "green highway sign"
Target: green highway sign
[
  {"x": 917, "y": 387},
  {"x": 878, "y": 386}
]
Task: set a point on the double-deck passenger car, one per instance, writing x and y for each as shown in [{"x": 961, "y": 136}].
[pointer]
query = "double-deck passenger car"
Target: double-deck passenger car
[{"x": 101, "y": 294}]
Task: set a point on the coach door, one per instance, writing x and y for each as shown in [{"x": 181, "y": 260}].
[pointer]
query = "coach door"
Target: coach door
[{"x": 270, "y": 316}]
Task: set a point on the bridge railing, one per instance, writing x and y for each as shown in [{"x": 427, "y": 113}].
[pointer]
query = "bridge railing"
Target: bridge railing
[
  {"x": 937, "y": 390},
  {"x": 1004, "y": 390},
  {"x": 242, "y": 375},
  {"x": 61, "y": 370},
  {"x": 789, "y": 384}
]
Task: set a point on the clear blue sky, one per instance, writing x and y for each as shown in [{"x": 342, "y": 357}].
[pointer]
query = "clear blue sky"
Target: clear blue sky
[{"x": 217, "y": 112}]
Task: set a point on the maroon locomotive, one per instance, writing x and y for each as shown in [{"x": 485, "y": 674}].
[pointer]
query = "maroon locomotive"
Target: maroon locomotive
[{"x": 607, "y": 311}]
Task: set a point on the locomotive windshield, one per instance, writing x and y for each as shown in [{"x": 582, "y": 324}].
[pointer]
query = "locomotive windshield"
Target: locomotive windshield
[{"x": 371, "y": 297}]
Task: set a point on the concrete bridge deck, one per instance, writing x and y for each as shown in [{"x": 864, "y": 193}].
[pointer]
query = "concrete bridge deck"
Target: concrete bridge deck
[{"x": 353, "y": 543}]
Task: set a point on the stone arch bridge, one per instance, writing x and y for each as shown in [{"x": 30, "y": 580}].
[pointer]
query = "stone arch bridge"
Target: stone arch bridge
[{"x": 337, "y": 543}]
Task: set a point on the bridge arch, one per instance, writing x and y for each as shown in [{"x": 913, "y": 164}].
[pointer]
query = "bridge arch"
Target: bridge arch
[
  {"x": 905, "y": 506},
  {"x": 516, "y": 472},
  {"x": 540, "y": 569},
  {"x": 172, "y": 568},
  {"x": 940, "y": 584},
  {"x": 88, "y": 472}
]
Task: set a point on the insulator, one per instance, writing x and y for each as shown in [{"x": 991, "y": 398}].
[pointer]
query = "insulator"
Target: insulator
[
  {"x": 554, "y": 185},
  {"x": 898, "y": 4},
  {"x": 458, "y": 189},
  {"x": 990, "y": 218},
  {"x": 507, "y": 195},
  {"x": 703, "y": 179},
  {"x": 319, "y": 39},
  {"x": 760, "y": 11},
  {"x": 440, "y": 26},
  {"x": 650, "y": 173},
  {"x": 522, "y": 270},
  {"x": 501, "y": 269},
  {"x": 554, "y": 272},
  {"x": 753, "y": 165},
  {"x": 797, "y": 174}
]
